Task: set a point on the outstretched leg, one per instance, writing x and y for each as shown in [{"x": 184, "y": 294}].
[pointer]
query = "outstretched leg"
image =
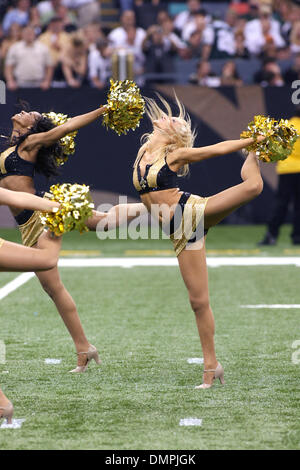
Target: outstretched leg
[
  {"x": 53, "y": 286},
  {"x": 15, "y": 257},
  {"x": 224, "y": 203},
  {"x": 116, "y": 217},
  {"x": 193, "y": 268}
]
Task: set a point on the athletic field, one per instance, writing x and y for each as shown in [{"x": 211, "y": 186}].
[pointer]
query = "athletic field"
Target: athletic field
[{"x": 140, "y": 319}]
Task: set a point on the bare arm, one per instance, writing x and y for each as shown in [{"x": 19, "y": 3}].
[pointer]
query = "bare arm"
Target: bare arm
[
  {"x": 191, "y": 155},
  {"x": 46, "y": 139},
  {"x": 26, "y": 201}
]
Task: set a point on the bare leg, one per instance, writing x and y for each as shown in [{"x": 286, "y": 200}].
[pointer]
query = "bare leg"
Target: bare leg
[
  {"x": 3, "y": 400},
  {"x": 15, "y": 257},
  {"x": 6, "y": 408},
  {"x": 117, "y": 216},
  {"x": 222, "y": 204},
  {"x": 193, "y": 268},
  {"x": 51, "y": 283}
]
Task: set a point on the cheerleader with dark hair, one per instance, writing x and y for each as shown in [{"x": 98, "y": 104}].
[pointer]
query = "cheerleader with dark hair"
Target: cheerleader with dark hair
[{"x": 35, "y": 145}]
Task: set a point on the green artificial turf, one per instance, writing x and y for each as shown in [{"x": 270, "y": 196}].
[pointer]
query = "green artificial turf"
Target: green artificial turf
[
  {"x": 142, "y": 324},
  {"x": 224, "y": 239}
]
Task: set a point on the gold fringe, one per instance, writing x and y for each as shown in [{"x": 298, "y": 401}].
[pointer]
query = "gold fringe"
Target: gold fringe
[{"x": 191, "y": 217}]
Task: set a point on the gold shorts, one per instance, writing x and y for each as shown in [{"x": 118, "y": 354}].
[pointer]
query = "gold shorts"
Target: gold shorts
[
  {"x": 193, "y": 208},
  {"x": 33, "y": 228}
]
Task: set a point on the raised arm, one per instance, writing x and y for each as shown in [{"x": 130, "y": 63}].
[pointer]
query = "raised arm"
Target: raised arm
[
  {"x": 26, "y": 201},
  {"x": 191, "y": 155},
  {"x": 46, "y": 139}
]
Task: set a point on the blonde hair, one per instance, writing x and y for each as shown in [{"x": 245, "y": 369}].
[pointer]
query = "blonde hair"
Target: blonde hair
[{"x": 177, "y": 136}]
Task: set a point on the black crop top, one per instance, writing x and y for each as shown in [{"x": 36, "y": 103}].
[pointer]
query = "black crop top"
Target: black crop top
[
  {"x": 158, "y": 176},
  {"x": 12, "y": 164}
]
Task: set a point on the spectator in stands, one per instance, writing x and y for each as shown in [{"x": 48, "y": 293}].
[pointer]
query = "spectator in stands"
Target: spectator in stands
[
  {"x": 54, "y": 8},
  {"x": 289, "y": 14},
  {"x": 262, "y": 31},
  {"x": 92, "y": 34},
  {"x": 224, "y": 43},
  {"x": 35, "y": 21},
  {"x": 199, "y": 36},
  {"x": 159, "y": 52},
  {"x": 132, "y": 46},
  {"x": 229, "y": 75},
  {"x": 187, "y": 17},
  {"x": 204, "y": 76},
  {"x": 14, "y": 35},
  {"x": 19, "y": 15},
  {"x": 74, "y": 62},
  {"x": 28, "y": 63},
  {"x": 87, "y": 10},
  {"x": 295, "y": 38},
  {"x": 118, "y": 36},
  {"x": 147, "y": 11},
  {"x": 57, "y": 41},
  {"x": 163, "y": 16},
  {"x": 288, "y": 191},
  {"x": 99, "y": 64},
  {"x": 241, "y": 51},
  {"x": 293, "y": 73},
  {"x": 167, "y": 26},
  {"x": 69, "y": 19},
  {"x": 269, "y": 75}
]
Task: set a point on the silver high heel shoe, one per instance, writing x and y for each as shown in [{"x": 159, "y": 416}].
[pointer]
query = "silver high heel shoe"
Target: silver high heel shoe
[
  {"x": 92, "y": 353},
  {"x": 219, "y": 374},
  {"x": 7, "y": 412}
]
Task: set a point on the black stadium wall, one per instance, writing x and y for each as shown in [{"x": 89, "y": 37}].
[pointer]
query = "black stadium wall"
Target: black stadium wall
[{"x": 104, "y": 160}]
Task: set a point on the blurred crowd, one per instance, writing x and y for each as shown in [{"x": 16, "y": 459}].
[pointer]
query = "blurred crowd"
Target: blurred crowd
[{"x": 65, "y": 43}]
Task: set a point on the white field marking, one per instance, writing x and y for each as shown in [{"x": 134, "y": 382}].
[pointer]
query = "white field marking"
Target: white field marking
[
  {"x": 213, "y": 262},
  {"x": 15, "y": 284},
  {"x": 52, "y": 361},
  {"x": 195, "y": 360},
  {"x": 283, "y": 306},
  {"x": 190, "y": 422},
  {"x": 16, "y": 424}
]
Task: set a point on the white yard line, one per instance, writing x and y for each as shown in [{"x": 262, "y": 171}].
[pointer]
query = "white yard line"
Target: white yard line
[
  {"x": 282, "y": 306},
  {"x": 213, "y": 262},
  {"x": 15, "y": 284}
]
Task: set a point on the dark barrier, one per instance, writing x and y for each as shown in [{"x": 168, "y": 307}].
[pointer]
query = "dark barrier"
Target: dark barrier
[{"x": 104, "y": 161}]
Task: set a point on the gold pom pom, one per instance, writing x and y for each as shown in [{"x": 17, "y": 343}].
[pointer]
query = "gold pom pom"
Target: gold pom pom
[
  {"x": 280, "y": 138},
  {"x": 67, "y": 142},
  {"x": 76, "y": 207},
  {"x": 125, "y": 106}
]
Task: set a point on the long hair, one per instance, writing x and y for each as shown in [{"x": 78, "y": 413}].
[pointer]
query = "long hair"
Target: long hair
[
  {"x": 176, "y": 136},
  {"x": 46, "y": 157}
]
